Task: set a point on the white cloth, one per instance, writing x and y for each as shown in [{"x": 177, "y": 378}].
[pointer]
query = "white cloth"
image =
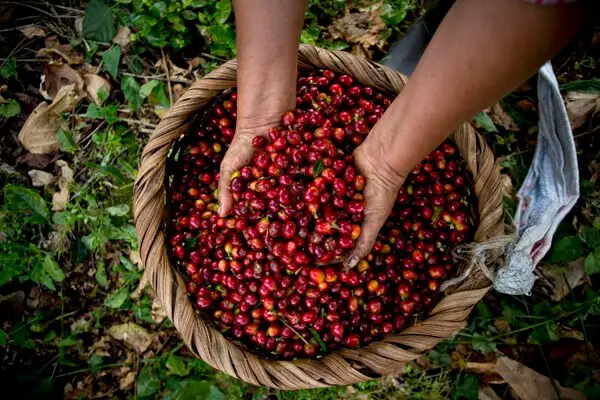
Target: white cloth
[{"x": 548, "y": 193}]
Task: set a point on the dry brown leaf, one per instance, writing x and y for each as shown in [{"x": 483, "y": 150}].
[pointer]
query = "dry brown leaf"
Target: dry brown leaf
[
  {"x": 38, "y": 134},
  {"x": 57, "y": 76},
  {"x": 502, "y": 118},
  {"x": 60, "y": 199},
  {"x": 507, "y": 185},
  {"x": 93, "y": 83},
  {"x": 580, "y": 106},
  {"x": 101, "y": 347},
  {"x": 555, "y": 276},
  {"x": 40, "y": 178},
  {"x": 196, "y": 62},
  {"x": 127, "y": 380},
  {"x": 158, "y": 313},
  {"x": 487, "y": 393},
  {"x": 175, "y": 72},
  {"x": 178, "y": 90},
  {"x": 135, "y": 258},
  {"x": 31, "y": 31},
  {"x": 65, "y": 51},
  {"x": 527, "y": 384},
  {"x": 123, "y": 37},
  {"x": 134, "y": 336},
  {"x": 361, "y": 28}
]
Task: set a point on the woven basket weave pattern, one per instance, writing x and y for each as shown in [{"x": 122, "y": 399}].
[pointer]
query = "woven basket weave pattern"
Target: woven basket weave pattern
[{"x": 344, "y": 366}]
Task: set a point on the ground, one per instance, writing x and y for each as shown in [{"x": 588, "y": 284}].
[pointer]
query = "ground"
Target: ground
[{"x": 75, "y": 320}]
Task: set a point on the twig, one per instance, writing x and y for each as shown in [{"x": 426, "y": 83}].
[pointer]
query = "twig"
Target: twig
[
  {"x": 213, "y": 57},
  {"x": 138, "y": 122},
  {"x": 166, "y": 67},
  {"x": 292, "y": 329},
  {"x": 43, "y": 60},
  {"x": 159, "y": 77}
]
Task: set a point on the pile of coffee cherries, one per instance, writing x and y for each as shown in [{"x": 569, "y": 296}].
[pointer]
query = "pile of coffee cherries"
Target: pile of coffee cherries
[{"x": 269, "y": 274}]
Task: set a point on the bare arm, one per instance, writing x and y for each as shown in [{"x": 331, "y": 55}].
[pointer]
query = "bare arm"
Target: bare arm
[
  {"x": 268, "y": 35},
  {"x": 481, "y": 51}
]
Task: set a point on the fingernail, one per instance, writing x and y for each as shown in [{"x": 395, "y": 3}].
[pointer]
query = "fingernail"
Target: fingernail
[{"x": 219, "y": 210}]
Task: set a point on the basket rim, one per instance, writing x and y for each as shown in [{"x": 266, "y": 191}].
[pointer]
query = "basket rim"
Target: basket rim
[{"x": 344, "y": 366}]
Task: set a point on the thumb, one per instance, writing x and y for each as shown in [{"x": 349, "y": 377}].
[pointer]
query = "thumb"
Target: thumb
[
  {"x": 377, "y": 209},
  {"x": 239, "y": 154}
]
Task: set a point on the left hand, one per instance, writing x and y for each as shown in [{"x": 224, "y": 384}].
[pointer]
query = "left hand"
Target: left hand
[{"x": 381, "y": 189}]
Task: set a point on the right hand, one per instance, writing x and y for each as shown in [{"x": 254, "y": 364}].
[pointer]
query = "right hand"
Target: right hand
[{"x": 240, "y": 153}]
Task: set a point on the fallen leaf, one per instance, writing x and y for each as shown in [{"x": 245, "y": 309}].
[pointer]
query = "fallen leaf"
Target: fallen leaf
[
  {"x": 127, "y": 380},
  {"x": 40, "y": 178},
  {"x": 580, "y": 106},
  {"x": 36, "y": 161},
  {"x": 41, "y": 299},
  {"x": 158, "y": 313},
  {"x": 38, "y": 134},
  {"x": 526, "y": 105},
  {"x": 93, "y": 84},
  {"x": 60, "y": 199},
  {"x": 555, "y": 276},
  {"x": 135, "y": 258},
  {"x": 507, "y": 185},
  {"x": 53, "y": 47},
  {"x": 123, "y": 37},
  {"x": 178, "y": 90},
  {"x": 564, "y": 332},
  {"x": 57, "y": 76},
  {"x": 487, "y": 393},
  {"x": 502, "y": 118},
  {"x": 527, "y": 384},
  {"x": 31, "y": 31},
  {"x": 196, "y": 62},
  {"x": 133, "y": 335},
  {"x": 175, "y": 72},
  {"x": 362, "y": 28},
  {"x": 101, "y": 347}
]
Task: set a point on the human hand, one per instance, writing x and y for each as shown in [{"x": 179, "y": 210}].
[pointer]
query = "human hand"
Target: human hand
[
  {"x": 240, "y": 153},
  {"x": 383, "y": 184}
]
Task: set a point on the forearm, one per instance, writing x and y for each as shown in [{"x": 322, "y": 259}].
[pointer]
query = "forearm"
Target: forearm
[
  {"x": 268, "y": 35},
  {"x": 481, "y": 51}
]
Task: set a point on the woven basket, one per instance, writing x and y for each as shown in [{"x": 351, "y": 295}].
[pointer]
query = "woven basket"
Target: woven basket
[{"x": 341, "y": 367}]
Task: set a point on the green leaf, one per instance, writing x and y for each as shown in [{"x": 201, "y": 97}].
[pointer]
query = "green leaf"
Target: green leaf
[
  {"x": 318, "y": 339},
  {"x": 592, "y": 263},
  {"x": 177, "y": 366},
  {"x": 2, "y": 338},
  {"x": 95, "y": 362},
  {"x": 9, "y": 68},
  {"x": 222, "y": 40},
  {"x": 131, "y": 89},
  {"x": 466, "y": 387},
  {"x": 98, "y": 24},
  {"x": 189, "y": 243},
  {"x": 101, "y": 277},
  {"x": 196, "y": 390},
  {"x": 148, "y": 384},
  {"x": 52, "y": 268},
  {"x": 223, "y": 11},
  {"x": 49, "y": 337},
  {"x": 318, "y": 167},
  {"x": 107, "y": 113},
  {"x": 591, "y": 237},
  {"x": 585, "y": 86},
  {"x": 129, "y": 266},
  {"x": 310, "y": 35},
  {"x": 116, "y": 299},
  {"x": 10, "y": 109},
  {"x": 66, "y": 141},
  {"x": 483, "y": 344},
  {"x": 484, "y": 121},
  {"x": 111, "y": 59},
  {"x": 80, "y": 251},
  {"x": 18, "y": 198},
  {"x": 568, "y": 248},
  {"x": 102, "y": 94},
  {"x": 148, "y": 87},
  {"x": 68, "y": 341},
  {"x": 118, "y": 211}
]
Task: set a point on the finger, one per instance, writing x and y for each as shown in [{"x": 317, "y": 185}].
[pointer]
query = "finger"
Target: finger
[
  {"x": 376, "y": 212},
  {"x": 238, "y": 154}
]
